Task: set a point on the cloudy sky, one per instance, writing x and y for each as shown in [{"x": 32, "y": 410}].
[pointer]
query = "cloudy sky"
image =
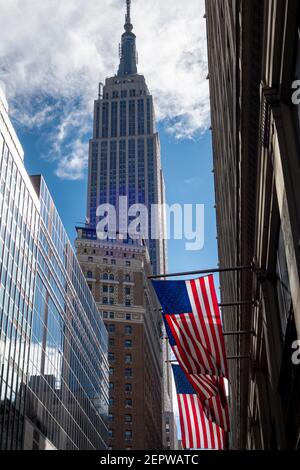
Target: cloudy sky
[{"x": 53, "y": 54}]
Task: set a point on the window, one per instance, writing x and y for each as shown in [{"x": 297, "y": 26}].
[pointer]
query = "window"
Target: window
[
  {"x": 105, "y": 261},
  {"x": 123, "y": 122},
  {"x": 128, "y": 402},
  {"x": 128, "y": 387},
  {"x": 128, "y": 435},
  {"x": 111, "y": 371},
  {"x": 127, "y": 277},
  {"x": 128, "y": 418},
  {"x": 128, "y": 330},
  {"x": 111, "y": 402},
  {"x": 110, "y": 418},
  {"x": 111, "y": 342},
  {"x": 105, "y": 276},
  {"x": 124, "y": 94},
  {"x": 132, "y": 93},
  {"x": 128, "y": 358},
  {"x": 112, "y": 315},
  {"x": 111, "y": 301},
  {"x": 90, "y": 259},
  {"x": 113, "y": 261},
  {"x": 128, "y": 343},
  {"x": 105, "y": 289},
  {"x": 111, "y": 328},
  {"x": 127, "y": 303},
  {"x": 111, "y": 277},
  {"x": 283, "y": 285},
  {"x": 111, "y": 289},
  {"x": 127, "y": 290},
  {"x": 111, "y": 356},
  {"x": 89, "y": 275},
  {"x": 128, "y": 372},
  {"x": 128, "y": 263},
  {"x": 105, "y": 314},
  {"x": 132, "y": 115},
  {"x": 111, "y": 386},
  {"x": 105, "y": 300},
  {"x": 128, "y": 316},
  {"x": 110, "y": 433}
]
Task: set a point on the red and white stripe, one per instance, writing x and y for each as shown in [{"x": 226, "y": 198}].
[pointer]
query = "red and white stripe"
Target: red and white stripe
[
  {"x": 211, "y": 392},
  {"x": 197, "y": 431},
  {"x": 217, "y": 412},
  {"x": 196, "y": 359},
  {"x": 207, "y": 322}
]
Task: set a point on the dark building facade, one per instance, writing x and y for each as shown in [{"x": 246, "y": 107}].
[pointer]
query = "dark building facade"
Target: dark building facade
[{"x": 253, "y": 53}]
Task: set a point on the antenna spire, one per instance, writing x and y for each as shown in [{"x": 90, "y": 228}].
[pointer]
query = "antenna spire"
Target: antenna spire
[
  {"x": 127, "y": 52},
  {"x": 128, "y": 2},
  {"x": 128, "y": 26}
]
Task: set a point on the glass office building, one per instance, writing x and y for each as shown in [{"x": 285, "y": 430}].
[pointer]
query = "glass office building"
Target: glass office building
[
  {"x": 53, "y": 356},
  {"x": 68, "y": 369},
  {"x": 19, "y": 222}
]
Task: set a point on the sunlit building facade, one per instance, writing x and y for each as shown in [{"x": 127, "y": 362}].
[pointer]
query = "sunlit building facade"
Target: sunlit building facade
[
  {"x": 53, "y": 349},
  {"x": 124, "y": 154},
  {"x": 19, "y": 232},
  {"x": 116, "y": 273}
]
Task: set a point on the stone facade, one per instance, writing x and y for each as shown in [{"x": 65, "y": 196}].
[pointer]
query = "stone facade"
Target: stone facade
[
  {"x": 117, "y": 275},
  {"x": 253, "y": 50}
]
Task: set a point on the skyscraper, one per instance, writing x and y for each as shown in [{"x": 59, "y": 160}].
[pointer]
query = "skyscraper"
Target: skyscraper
[
  {"x": 124, "y": 153},
  {"x": 116, "y": 272},
  {"x": 124, "y": 161}
]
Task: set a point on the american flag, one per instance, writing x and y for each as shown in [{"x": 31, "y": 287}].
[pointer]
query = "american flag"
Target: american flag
[
  {"x": 190, "y": 337},
  {"x": 192, "y": 315},
  {"x": 211, "y": 391},
  {"x": 198, "y": 432}
]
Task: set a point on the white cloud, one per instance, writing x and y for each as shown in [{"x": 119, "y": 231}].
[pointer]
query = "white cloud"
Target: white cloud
[{"x": 53, "y": 53}]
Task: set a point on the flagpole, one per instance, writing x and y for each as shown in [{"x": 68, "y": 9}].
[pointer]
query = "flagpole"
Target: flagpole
[
  {"x": 204, "y": 271},
  {"x": 229, "y": 358}
]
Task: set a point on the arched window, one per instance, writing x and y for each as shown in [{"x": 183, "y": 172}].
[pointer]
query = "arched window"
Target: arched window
[
  {"x": 105, "y": 276},
  {"x": 111, "y": 277}
]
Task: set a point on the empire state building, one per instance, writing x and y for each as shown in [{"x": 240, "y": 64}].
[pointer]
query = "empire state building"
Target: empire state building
[
  {"x": 124, "y": 153},
  {"x": 124, "y": 163}
]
